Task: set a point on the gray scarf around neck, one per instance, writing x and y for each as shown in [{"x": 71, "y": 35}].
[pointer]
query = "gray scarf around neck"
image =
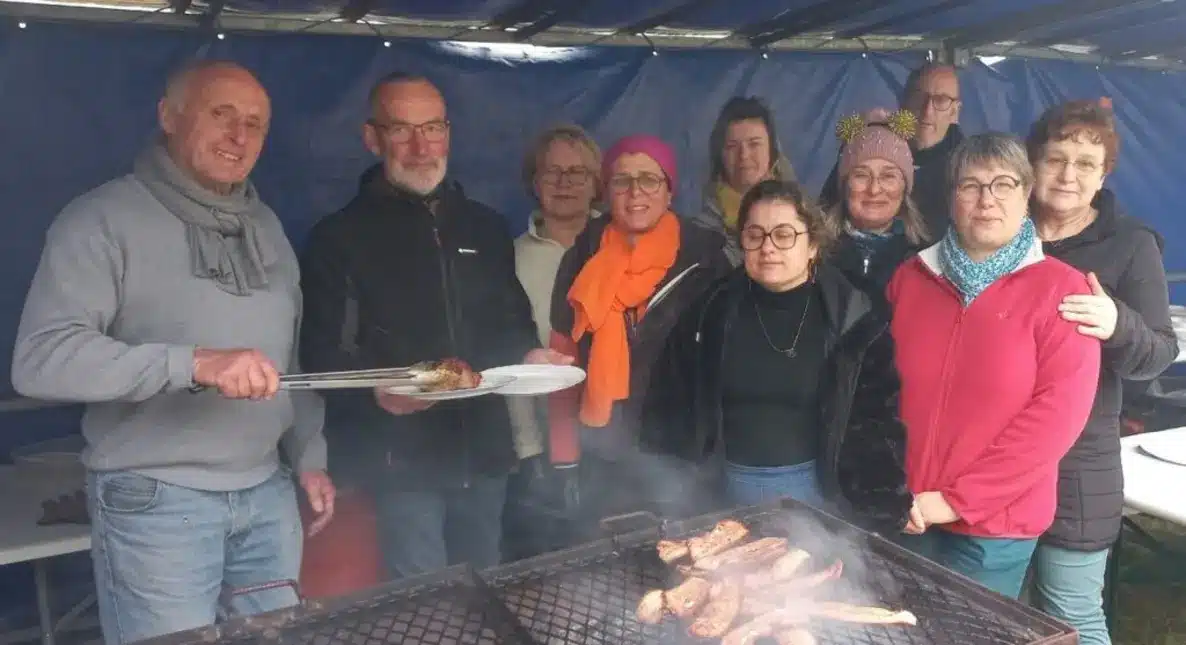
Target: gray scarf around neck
[{"x": 222, "y": 230}]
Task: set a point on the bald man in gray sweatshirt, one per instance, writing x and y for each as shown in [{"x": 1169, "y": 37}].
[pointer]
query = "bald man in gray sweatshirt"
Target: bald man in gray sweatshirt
[{"x": 168, "y": 301}]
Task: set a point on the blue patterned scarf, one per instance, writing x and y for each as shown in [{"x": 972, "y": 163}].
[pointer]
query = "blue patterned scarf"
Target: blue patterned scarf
[{"x": 972, "y": 278}]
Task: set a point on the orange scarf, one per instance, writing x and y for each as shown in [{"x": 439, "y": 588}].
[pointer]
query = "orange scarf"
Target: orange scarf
[{"x": 619, "y": 276}]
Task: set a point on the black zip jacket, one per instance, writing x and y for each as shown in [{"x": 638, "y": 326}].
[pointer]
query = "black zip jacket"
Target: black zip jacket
[
  {"x": 1126, "y": 257},
  {"x": 700, "y": 261},
  {"x": 388, "y": 283},
  {"x": 861, "y": 465},
  {"x": 871, "y": 272}
]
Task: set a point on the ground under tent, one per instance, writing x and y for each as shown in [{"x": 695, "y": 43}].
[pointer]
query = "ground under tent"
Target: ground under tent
[{"x": 80, "y": 83}]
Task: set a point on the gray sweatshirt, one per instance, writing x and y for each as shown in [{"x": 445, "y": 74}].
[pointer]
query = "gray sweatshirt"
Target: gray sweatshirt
[{"x": 112, "y": 319}]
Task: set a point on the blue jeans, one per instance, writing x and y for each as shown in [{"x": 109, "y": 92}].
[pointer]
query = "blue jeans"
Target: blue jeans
[
  {"x": 750, "y": 485},
  {"x": 997, "y": 563},
  {"x": 1069, "y": 585},
  {"x": 163, "y": 554},
  {"x": 423, "y": 531}
]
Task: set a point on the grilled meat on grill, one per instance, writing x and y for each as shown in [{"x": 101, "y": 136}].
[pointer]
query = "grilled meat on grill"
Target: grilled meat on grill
[
  {"x": 719, "y": 613},
  {"x": 784, "y": 568},
  {"x": 760, "y": 600},
  {"x": 726, "y": 534},
  {"x": 688, "y": 598},
  {"x": 751, "y": 555},
  {"x": 761, "y": 579},
  {"x": 652, "y": 607},
  {"x": 672, "y": 550},
  {"x": 856, "y": 614}
]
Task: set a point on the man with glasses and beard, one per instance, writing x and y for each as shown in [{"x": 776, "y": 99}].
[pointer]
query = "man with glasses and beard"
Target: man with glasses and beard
[
  {"x": 932, "y": 94},
  {"x": 410, "y": 270}
]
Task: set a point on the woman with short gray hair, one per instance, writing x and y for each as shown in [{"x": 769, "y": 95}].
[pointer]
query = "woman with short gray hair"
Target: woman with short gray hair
[{"x": 996, "y": 385}]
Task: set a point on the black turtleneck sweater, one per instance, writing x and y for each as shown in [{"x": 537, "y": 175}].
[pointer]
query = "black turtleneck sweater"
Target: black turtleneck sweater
[{"x": 770, "y": 402}]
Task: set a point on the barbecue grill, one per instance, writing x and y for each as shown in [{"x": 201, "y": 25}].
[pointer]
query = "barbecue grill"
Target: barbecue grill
[{"x": 587, "y": 595}]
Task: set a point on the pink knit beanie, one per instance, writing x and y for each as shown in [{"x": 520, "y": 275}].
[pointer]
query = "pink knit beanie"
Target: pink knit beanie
[
  {"x": 648, "y": 145},
  {"x": 877, "y": 141}
]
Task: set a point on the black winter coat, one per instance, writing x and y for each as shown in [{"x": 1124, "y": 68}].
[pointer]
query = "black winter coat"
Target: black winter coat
[
  {"x": 700, "y": 261},
  {"x": 873, "y": 275},
  {"x": 1126, "y": 257},
  {"x": 388, "y": 283},
  {"x": 861, "y": 465}
]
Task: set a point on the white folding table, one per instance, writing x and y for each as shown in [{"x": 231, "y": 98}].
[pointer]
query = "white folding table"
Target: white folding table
[
  {"x": 1152, "y": 487},
  {"x": 22, "y": 489}
]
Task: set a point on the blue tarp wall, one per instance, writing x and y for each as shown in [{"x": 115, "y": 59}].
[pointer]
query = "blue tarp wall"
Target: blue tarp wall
[{"x": 79, "y": 101}]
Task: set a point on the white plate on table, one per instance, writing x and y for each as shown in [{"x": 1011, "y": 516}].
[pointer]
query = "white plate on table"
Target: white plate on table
[
  {"x": 490, "y": 384},
  {"x": 1170, "y": 449},
  {"x": 534, "y": 380}
]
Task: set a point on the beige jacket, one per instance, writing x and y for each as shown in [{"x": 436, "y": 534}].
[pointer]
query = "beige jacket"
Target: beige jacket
[{"x": 536, "y": 261}]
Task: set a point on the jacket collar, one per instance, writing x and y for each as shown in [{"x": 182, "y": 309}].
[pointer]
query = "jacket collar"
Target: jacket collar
[
  {"x": 930, "y": 257},
  {"x": 852, "y": 315},
  {"x": 534, "y": 221}
]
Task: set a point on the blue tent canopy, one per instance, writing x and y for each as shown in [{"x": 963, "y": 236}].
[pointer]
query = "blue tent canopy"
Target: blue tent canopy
[{"x": 1145, "y": 32}]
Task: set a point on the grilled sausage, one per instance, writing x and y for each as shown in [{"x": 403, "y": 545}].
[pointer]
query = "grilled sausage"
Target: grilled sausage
[
  {"x": 857, "y": 614},
  {"x": 784, "y": 568}
]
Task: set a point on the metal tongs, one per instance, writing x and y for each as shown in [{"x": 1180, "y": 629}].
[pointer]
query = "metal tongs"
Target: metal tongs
[{"x": 352, "y": 379}]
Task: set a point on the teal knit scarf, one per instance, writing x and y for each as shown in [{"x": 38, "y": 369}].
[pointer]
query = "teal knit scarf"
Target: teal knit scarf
[{"x": 972, "y": 278}]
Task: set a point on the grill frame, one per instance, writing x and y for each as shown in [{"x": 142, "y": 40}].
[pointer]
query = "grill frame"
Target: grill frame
[
  {"x": 563, "y": 587},
  {"x": 557, "y": 574},
  {"x": 355, "y": 619}
]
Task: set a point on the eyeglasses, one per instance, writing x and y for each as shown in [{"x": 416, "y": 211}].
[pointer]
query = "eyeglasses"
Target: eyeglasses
[
  {"x": 1001, "y": 187},
  {"x": 576, "y": 175},
  {"x": 399, "y": 132},
  {"x": 646, "y": 182},
  {"x": 861, "y": 179},
  {"x": 1057, "y": 166},
  {"x": 941, "y": 102},
  {"x": 782, "y": 236}
]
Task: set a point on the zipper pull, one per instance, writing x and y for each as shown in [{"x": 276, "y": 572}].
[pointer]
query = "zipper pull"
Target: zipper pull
[
  {"x": 436, "y": 235},
  {"x": 865, "y": 264}
]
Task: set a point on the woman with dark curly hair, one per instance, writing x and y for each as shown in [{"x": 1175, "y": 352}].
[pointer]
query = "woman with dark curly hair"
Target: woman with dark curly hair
[{"x": 780, "y": 379}]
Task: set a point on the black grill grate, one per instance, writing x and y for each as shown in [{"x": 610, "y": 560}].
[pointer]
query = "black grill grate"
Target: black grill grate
[
  {"x": 587, "y": 595},
  {"x": 453, "y": 607}
]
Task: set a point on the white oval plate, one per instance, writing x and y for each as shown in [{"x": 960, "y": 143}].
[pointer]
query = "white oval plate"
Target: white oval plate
[
  {"x": 1171, "y": 449},
  {"x": 534, "y": 380},
  {"x": 490, "y": 385}
]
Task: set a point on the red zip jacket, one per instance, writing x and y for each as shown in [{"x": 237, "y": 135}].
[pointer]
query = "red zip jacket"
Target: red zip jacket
[{"x": 994, "y": 395}]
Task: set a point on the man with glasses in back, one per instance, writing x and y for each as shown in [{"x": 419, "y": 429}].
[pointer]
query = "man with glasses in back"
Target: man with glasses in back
[
  {"x": 932, "y": 93},
  {"x": 410, "y": 270}
]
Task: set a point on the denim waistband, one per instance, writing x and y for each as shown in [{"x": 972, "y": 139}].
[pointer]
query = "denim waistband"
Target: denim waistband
[{"x": 772, "y": 471}]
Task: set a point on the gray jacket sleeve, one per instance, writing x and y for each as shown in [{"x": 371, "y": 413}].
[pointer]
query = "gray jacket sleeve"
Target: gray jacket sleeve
[
  {"x": 304, "y": 443},
  {"x": 63, "y": 351}
]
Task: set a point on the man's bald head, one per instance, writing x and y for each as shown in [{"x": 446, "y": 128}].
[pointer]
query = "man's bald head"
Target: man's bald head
[
  {"x": 215, "y": 116},
  {"x": 409, "y": 129},
  {"x": 932, "y": 93}
]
